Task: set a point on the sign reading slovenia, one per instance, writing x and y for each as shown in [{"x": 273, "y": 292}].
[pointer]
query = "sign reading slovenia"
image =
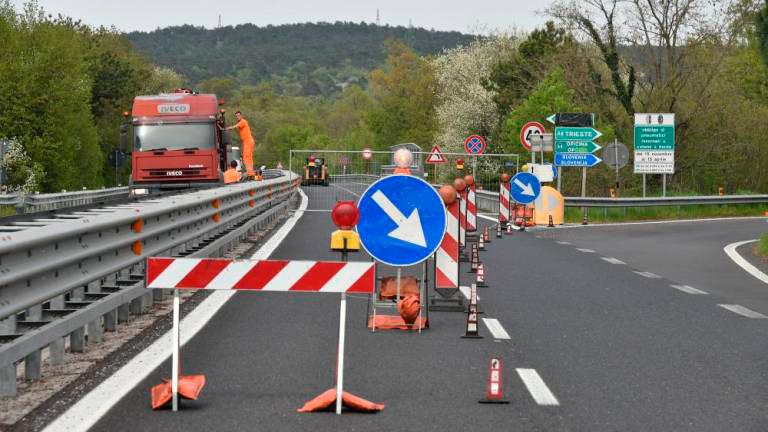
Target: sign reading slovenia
[
  {"x": 402, "y": 220},
  {"x": 525, "y": 188},
  {"x": 654, "y": 143}
]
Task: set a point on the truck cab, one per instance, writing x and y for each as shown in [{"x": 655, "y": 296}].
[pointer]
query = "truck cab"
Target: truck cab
[{"x": 178, "y": 141}]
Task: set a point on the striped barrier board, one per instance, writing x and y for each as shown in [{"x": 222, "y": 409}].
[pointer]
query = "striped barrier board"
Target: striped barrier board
[
  {"x": 447, "y": 256},
  {"x": 471, "y": 208},
  {"x": 261, "y": 275},
  {"x": 504, "y": 214}
]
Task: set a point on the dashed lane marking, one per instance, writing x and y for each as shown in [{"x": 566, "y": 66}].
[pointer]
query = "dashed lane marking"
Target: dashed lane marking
[
  {"x": 91, "y": 407},
  {"x": 537, "y": 387},
  {"x": 563, "y": 242},
  {"x": 494, "y": 326},
  {"x": 741, "y": 310},
  {"x": 613, "y": 260},
  {"x": 689, "y": 289},
  {"x": 466, "y": 292},
  {"x": 585, "y": 250},
  {"x": 345, "y": 190},
  {"x": 649, "y": 275}
]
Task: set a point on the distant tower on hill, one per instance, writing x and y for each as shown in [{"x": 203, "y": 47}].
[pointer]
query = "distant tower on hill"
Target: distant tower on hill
[
  {"x": 219, "y": 21},
  {"x": 378, "y": 17}
]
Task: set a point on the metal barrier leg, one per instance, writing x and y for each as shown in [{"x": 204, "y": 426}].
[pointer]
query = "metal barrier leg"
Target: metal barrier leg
[
  {"x": 95, "y": 332},
  {"x": 33, "y": 365},
  {"x": 110, "y": 321},
  {"x": 8, "y": 380},
  {"x": 56, "y": 351},
  {"x": 77, "y": 341}
]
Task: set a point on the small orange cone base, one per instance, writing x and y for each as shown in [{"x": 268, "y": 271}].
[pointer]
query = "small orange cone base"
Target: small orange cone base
[
  {"x": 396, "y": 322},
  {"x": 190, "y": 387},
  {"x": 327, "y": 401}
]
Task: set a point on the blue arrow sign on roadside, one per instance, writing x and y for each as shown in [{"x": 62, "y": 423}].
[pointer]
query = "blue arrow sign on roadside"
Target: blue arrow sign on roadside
[
  {"x": 402, "y": 220},
  {"x": 576, "y": 160},
  {"x": 525, "y": 187}
]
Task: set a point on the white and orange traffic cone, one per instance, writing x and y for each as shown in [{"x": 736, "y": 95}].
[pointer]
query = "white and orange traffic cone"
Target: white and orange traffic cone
[
  {"x": 473, "y": 327},
  {"x": 486, "y": 235},
  {"x": 509, "y": 229},
  {"x": 498, "y": 231},
  {"x": 481, "y": 276},
  {"x": 481, "y": 243},
  {"x": 494, "y": 390},
  {"x": 475, "y": 259}
]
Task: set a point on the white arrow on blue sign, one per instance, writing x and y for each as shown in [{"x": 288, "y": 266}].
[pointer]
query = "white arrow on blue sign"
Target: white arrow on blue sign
[
  {"x": 576, "y": 160},
  {"x": 525, "y": 188},
  {"x": 402, "y": 220}
]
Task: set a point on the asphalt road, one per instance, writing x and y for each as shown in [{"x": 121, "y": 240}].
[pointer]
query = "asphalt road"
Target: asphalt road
[{"x": 618, "y": 350}]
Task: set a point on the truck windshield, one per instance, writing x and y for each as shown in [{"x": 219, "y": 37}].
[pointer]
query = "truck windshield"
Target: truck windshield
[{"x": 174, "y": 136}]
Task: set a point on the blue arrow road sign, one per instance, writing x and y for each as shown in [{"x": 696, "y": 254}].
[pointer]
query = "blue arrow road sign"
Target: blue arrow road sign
[
  {"x": 402, "y": 220},
  {"x": 576, "y": 160},
  {"x": 525, "y": 187}
]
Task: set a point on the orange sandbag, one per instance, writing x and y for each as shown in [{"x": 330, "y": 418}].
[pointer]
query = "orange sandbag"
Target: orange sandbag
[
  {"x": 327, "y": 400},
  {"x": 395, "y": 322},
  {"x": 409, "y": 285},
  {"x": 409, "y": 308},
  {"x": 161, "y": 395},
  {"x": 190, "y": 387}
]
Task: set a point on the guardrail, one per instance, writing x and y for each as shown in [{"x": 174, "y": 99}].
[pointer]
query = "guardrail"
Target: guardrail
[
  {"x": 489, "y": 201},
  {"x": 31, "y": 203},
  {"x": 76, "y": 276}
]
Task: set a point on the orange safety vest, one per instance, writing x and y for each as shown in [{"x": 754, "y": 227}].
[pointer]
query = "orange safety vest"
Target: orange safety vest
[{"x": 231, "y": 176}]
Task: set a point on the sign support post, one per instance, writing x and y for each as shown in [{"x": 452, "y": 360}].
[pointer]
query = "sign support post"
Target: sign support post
[
  {"x": 643, "y": 185},
  {"x": 340, "y": 355},
  {"x": 175, "y": 357}
]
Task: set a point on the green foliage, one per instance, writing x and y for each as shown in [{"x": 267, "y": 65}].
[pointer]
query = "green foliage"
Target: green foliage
[
  {"x": 63, "y": 88},
  {"x": 405, "y": 92},
  {"x": 22, "y": 174},
  {"x": 762, "y": 246},
  {"x": 551, "y": 95},
  {"x": 761, "y": 27},
  {"x": 299, "y": 59}
]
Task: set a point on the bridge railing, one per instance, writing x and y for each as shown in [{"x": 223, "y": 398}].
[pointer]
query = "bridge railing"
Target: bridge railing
[{"x": 73, "y": 277}]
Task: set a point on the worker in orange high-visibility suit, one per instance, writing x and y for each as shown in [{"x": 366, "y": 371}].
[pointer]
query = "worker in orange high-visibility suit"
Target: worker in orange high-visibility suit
[
  {"x": 232, "y": 175},
  {"x": 244, "y": 130}
]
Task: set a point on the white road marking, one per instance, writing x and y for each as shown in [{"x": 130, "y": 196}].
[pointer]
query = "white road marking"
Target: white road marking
[
  {"x": 345, "y": 190},
  {"x": 494, "y": 326},
  {"x": 91, "y": 407},
  {"x": 467, "y": 293},
  {"x": 585, "y": 250},
  {"x": 689, "y": 289},
  {"x": 537, "y": 387},
  {"x": 613, "y": 260},
  {"x": 730, "y": 250},
  {"x": 563, "y": 242},
  {"x": 514, "y": 227},
  {"x": 649, "y": 275},
  {"x": 741, "y": 310}
]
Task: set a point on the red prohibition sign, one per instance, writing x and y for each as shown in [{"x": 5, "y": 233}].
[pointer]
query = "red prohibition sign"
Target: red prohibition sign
[{"x": 475, "y": 145}]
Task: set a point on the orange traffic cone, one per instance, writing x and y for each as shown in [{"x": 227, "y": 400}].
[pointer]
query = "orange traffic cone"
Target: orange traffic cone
[
  {"x": 480, "y": 282},
  {"x": 498, "y": 231},
  {"x": 481, "y": 243},
  {"x": 486, "y": 236},
  {"x": 475, "y": 260},
  {"x": 551, "y": 224}
]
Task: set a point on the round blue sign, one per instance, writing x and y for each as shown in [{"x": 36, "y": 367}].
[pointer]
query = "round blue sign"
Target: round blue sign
[
  {"x": 525, "y": 187},
  {"x": 402, "y": 220}
]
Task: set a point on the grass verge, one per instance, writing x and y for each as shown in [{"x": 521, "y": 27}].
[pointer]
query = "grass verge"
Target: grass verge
[
  {"x": 762, "y": 246},
  {"x": 598, "y": 215}
]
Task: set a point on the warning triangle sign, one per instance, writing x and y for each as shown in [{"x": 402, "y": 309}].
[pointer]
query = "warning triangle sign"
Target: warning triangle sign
[{"x": 436, "y": 156}]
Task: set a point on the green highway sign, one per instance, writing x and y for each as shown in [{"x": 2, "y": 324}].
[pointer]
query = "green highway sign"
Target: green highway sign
[
  {"x": 570, "y": 146},
  {"x": 577, "y": 134},
  {"x": 654, "y": 137}
]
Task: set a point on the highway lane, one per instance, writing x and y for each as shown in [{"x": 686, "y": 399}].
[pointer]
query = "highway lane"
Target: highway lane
[
  {"x": 688, "y": 253},
  {"x": 265, "y": 355},
  {"x": 618, "y": 350}
]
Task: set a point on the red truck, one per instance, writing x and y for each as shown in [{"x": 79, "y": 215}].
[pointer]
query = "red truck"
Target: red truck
[{"x": 178, "y": 141}]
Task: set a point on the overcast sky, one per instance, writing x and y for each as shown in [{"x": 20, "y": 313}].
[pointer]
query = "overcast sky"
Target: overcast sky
[{"x": 466, "y": 16}]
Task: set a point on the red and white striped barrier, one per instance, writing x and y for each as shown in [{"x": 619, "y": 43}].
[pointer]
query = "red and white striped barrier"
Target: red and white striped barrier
[
  {"x": 463, "y": 219},
  {"x": 504, "y": 191},
  {"x": 471, "y": 208},
  {"x": 264, "y": 275},
  {"x": 447, "y": 256}
]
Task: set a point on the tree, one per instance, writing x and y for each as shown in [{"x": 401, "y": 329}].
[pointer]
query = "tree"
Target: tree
[
  {"x": 405, "y": 94},
  {"x": 761, "y": 27},
  {"x": 464, "y": 104}
]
